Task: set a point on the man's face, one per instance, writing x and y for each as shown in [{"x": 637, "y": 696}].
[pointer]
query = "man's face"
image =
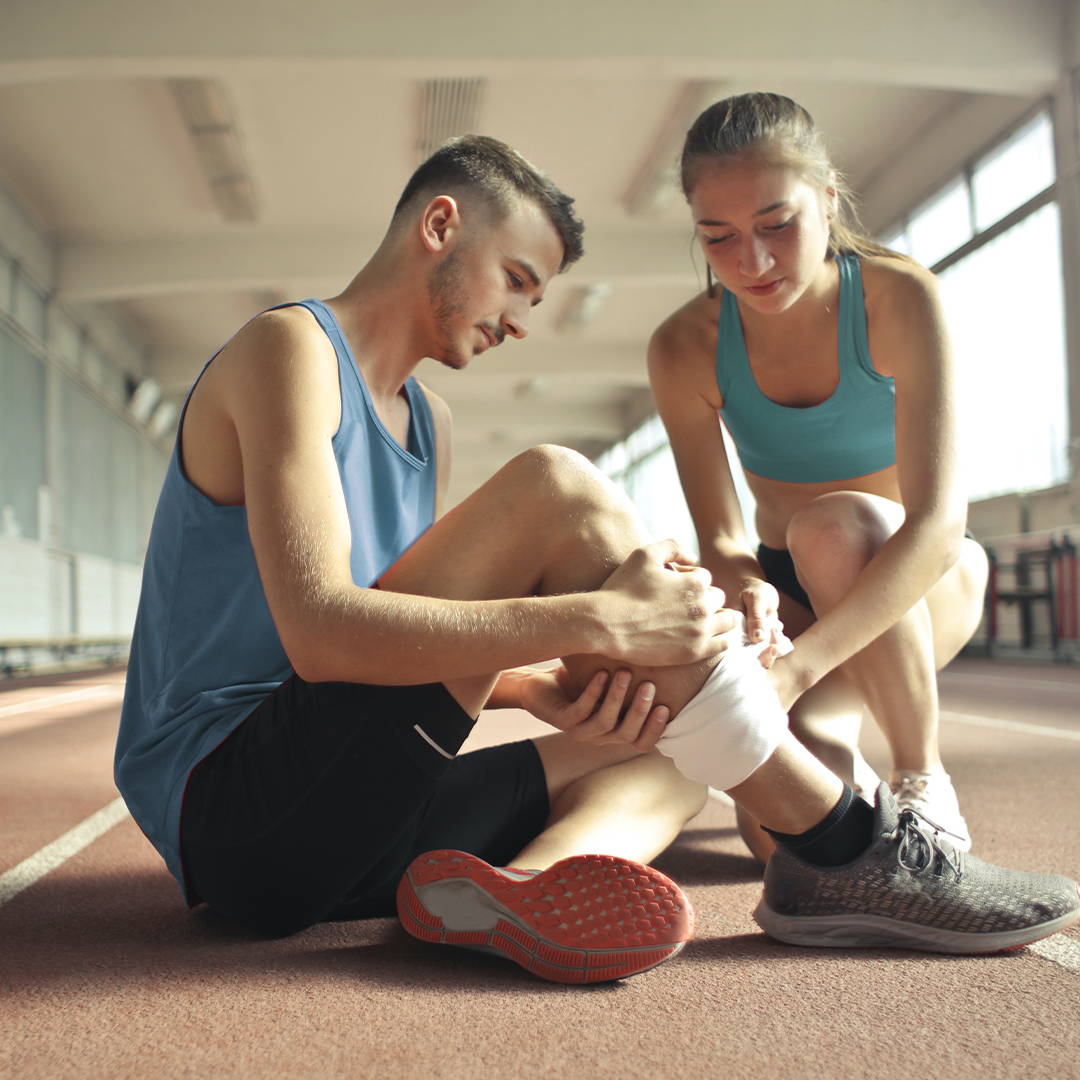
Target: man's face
[{"x": 486, "y": 284}]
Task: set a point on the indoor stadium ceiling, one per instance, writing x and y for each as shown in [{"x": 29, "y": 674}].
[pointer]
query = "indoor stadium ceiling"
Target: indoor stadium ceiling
[{"x": 196, "y": 162}]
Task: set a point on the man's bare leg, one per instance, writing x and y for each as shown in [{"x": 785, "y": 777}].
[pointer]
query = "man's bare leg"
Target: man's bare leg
[
  {"x": 635, "y": 807},
  {"x": 549, "y": 522}
]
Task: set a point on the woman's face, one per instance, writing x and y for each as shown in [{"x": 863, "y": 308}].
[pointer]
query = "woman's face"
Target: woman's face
[{"x": 764, "y": 229}]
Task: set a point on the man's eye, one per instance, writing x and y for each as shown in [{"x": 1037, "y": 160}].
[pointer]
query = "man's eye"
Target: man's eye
[
  {"x": 718, "y": 239},
  {"x": 515, "y": 280}
]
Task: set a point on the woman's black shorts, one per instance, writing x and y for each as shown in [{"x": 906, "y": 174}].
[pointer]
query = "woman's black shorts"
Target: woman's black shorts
[{"x": 779, "y": 570}]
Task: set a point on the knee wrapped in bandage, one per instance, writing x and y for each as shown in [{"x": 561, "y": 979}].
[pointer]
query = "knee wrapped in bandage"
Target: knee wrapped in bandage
[{"x": 733, "y": 724}]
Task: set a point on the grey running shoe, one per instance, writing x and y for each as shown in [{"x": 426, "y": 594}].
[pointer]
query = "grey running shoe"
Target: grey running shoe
[{"x": 912, "y": 889}]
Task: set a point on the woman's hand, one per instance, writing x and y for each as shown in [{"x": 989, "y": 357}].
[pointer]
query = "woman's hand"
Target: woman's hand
[
  {"x": 760, "y": 601},
  {"x": 600, "y": 713}
]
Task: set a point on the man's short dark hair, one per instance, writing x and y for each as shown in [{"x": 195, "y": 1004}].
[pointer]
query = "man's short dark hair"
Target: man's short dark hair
[{"x": 497, "y": 173}]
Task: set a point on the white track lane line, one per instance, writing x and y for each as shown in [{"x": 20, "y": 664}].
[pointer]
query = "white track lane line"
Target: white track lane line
[
  {"x": 1060, "y": 949},
  {"x": 1008, "y": 680},
  {"x": 59, "y": 851},
  {"x": 1011, "y": 725},
  {"x": 54, "y": 699}
]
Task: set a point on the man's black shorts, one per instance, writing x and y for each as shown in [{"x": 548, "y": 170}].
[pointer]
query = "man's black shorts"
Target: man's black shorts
[{"x": 314, "y": 806}]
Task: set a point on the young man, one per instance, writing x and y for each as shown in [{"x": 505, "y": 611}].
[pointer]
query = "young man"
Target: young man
[{"x": 312, "y": 647}]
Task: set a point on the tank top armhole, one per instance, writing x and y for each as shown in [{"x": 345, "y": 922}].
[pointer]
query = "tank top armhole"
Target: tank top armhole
[
  {"x": 858, "y": 334},
  {"x": 423, "y": 425},
  {"x": 727, "y": 339}
]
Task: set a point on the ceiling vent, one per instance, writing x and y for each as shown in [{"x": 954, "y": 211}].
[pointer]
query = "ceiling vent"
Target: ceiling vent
[
  {"x": 205, "y": 111},
  {"x": 448, "y": 107}
]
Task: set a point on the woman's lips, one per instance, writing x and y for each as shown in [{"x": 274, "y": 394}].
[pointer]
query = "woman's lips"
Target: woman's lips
[{"x": 765, "y": 290}]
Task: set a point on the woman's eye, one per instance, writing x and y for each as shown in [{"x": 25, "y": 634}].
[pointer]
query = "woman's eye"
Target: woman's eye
[
  {"x": 515, "y": 280},
  {"x": 717, "y": 239},
  {"x": 779, "y": 226}
]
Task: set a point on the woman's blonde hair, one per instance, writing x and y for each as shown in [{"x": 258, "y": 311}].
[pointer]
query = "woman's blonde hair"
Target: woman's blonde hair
[{"x": 781, "y": 132}]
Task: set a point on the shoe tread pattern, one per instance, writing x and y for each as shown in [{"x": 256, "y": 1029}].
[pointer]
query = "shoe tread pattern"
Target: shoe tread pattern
[{"x": 589, "y": 918}]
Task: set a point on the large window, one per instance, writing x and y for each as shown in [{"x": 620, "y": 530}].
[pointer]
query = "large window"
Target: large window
[
  {"x": 993, "y": 236},
  {"x": 1007, "y": 326},
  {"x": 644, "y": 467}
]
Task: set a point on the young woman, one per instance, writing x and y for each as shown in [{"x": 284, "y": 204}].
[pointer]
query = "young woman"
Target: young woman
[{"x": 826, "y": 356}]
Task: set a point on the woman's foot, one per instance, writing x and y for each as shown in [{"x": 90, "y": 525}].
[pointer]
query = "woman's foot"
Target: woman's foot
[{"x": 932, "y": 796}]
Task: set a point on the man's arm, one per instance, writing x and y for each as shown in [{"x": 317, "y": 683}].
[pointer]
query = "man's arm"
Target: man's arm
[{"x": 279, "y": 388}]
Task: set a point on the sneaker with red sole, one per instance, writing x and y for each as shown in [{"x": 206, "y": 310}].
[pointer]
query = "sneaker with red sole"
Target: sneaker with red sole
[{"x": 587, "y": 919}]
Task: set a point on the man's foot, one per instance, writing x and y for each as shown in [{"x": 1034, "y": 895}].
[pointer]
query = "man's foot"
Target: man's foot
[
  {"x": 912, "y": 889},
  {"x": 588, "y": 918},
  {"x": 933, "y": 798}
]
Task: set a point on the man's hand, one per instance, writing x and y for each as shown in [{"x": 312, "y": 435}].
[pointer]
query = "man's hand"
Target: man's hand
[
  {"x": 661, "y": 610},
  {"x": 600, "y": 713}
]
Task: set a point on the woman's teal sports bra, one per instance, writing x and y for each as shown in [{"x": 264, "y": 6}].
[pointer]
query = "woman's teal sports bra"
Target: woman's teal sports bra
[{"x": 851, "y": 433}]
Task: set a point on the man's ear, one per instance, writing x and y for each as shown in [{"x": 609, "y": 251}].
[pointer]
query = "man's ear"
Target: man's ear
[{"x": 439, "y": 223}]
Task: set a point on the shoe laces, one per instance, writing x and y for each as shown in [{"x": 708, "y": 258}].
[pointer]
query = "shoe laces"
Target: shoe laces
[
  {"x": 920, "y": 847},
  {"x": 911, "y": 787}
]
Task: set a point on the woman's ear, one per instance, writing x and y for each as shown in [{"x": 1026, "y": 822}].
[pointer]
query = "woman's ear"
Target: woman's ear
[{"x": 832, "y": 197}]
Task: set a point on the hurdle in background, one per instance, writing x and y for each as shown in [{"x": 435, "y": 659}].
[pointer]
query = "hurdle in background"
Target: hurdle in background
[{"x": 1036, "y": 573}]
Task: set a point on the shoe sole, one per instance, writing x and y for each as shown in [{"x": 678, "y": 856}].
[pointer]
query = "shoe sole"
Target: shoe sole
[
  {"x": 587, "y": 919},
  {"x": 878, "y": 931}
]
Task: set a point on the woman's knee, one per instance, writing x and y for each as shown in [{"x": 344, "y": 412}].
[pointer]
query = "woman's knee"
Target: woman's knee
[{"x": 832, "y": 538}]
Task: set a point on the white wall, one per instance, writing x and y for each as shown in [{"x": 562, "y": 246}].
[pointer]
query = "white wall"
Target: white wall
[
  {"x": 47, "y": 592},
  {"x": 21, "y": 237},
  {"x": 24, "y": 589}
]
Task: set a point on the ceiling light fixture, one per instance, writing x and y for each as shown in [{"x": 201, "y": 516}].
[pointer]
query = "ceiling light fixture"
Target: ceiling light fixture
[
  {"x": 144, "y": 399},
  {"x": 208, "y": 118},
  {"x": 582, "y": 305},
  {"x": 656, "y": 181}
]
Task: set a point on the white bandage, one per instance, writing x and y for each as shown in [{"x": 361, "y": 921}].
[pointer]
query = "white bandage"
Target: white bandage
[{"x": 735, "y": 721}]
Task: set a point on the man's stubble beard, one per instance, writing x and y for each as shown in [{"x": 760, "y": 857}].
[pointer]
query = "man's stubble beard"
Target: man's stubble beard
[{"x": 446, "y": 293}]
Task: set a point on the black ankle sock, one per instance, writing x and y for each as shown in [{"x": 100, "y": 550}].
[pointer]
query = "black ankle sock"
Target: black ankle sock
[{"x": 843, "y": 834}]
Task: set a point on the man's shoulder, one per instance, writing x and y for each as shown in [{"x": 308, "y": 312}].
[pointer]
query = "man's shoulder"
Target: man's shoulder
[{"x": 279, "y": 333}]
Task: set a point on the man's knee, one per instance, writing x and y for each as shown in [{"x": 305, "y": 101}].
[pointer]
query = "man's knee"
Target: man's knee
[{"x": 566, "y": 478}]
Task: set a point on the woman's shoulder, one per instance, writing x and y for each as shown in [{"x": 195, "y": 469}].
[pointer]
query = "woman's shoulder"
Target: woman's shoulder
[
  {"x": 896, "y": 284},
  {"x": 689, "y": 331}
]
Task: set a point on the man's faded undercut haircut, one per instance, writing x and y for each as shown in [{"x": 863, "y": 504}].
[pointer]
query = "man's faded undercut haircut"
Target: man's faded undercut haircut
[{"x": 497, "y": 174}]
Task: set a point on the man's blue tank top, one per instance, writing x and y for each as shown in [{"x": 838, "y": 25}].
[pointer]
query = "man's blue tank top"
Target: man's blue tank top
[
  {"x": 851, "y": 433},
  {"x": 205, "y": 651}
]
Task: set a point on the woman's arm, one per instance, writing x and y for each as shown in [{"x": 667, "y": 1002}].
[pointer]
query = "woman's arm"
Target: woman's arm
[
  {"x": 909, "y": 342},
  {"x": 684, "y": 388}
]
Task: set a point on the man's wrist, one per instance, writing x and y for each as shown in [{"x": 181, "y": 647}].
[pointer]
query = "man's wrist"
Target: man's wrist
[
  {"x": 591, "y": 619},
  {"x": 508, "y": 688}
]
